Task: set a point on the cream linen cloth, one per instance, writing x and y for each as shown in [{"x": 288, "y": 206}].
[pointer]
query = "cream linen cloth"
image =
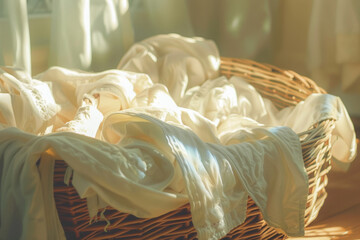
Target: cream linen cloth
[
  {"x": 188, "y": 67},
  {"x": 155, "y": 168},
  {"x": 218, "y": 178},
  {"x": 212, "y": 144},
  {"x": 175, "y": 61},
  {"x": 235, "y": 104},
  {"x": 25, "y": 103}
]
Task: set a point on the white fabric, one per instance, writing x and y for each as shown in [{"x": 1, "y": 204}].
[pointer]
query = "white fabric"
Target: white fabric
[
  {"x": 25, "y": 97},
  {"x": 177, "y": 62},
  {"x": 27, "y": 207},
  {"x": 334, "y": 44},
  {"x": 92, "y": 34},
  {"x": 218, "y": 179},
  {"x": 216, "y": 99},
  {"x": 87, "y": 115},
  {"x": 230, "y": 102},
  {"x": 69, "y": 88},
  {"x": 145, "y": 171},
  {"x": 16, "y": 13},
  {"x": 161, "y": 156}
]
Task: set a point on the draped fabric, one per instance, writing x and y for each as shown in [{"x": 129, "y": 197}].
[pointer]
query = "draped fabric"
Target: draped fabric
[
  {"x": 316, "y": 38},
  {"x": 16, "y": 12},
  {"x": 334, "y": 44},
  {"x": 90, "y": 34},
  {"x": 319, "y": 39},
  {"x": 147, "y": 159}
]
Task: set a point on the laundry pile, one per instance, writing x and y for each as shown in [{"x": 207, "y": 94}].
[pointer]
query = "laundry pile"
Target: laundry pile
[{"x": 162, "y": 130}]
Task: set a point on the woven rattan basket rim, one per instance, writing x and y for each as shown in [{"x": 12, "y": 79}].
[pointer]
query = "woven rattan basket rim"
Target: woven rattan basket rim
[{"x": 283, "y": 87}]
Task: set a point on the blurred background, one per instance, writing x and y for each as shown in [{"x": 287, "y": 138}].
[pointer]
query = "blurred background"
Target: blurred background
[{"x": 319, "y": 39}]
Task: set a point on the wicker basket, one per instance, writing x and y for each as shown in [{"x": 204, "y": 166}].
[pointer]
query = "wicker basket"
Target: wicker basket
[{"x": 284, "y": 88}]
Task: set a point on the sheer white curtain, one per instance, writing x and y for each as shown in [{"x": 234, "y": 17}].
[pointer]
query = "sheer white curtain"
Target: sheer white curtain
[
  {"x": 89, "y": 35},
  {"x": 18, "y": 31},
  {"x": 320, "y": 39},
  {"x": 94, "y": 34},
  {"x": 334, "y": 44}
]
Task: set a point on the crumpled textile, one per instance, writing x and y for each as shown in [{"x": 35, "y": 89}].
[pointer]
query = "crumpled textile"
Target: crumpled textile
[
  {"x": 233, "y": 104},
  {"x": 208, "y": 140},
  {"x": 116, "y": 89},
  {"x": 224, "y": 100},
  {"x": 155, "y": 168},
  {"x": 87, "y": 115},
  {"x": 23, "y": 97},
  {"x": 177, "y": 62},
  {"x": 218, "y": 179}
]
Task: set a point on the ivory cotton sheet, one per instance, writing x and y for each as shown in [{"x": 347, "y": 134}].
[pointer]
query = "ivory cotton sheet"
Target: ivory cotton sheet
[{"x": 212, "y": 144}]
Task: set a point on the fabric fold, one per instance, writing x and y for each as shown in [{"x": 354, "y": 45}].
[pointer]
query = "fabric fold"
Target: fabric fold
[
  {"x": 175, "y": 61},
  {"x": 171, "y": 132},
  {"x": 219, "y": 178}
]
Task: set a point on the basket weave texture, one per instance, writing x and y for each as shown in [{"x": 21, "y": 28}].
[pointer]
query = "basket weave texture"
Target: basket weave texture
[{"x": 284, "y": 88}]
